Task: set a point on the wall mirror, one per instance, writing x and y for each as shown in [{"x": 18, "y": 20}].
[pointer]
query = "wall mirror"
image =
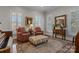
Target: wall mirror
[
  {"x": 61, "y": 20},
  {"x": 28, "y": 20},
  {"x": 28, "y": 23}
]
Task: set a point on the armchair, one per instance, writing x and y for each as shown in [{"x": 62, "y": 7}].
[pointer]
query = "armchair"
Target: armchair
[
  {"x": 38, "y": 31},
  {"x": 22, "y": 35}
]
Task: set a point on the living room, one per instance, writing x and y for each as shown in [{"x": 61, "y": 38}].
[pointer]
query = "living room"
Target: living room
[{"x": 44, "y": 19}]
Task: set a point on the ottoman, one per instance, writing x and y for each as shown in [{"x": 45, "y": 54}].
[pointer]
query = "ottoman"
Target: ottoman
[{"x": 36, "y": 40}]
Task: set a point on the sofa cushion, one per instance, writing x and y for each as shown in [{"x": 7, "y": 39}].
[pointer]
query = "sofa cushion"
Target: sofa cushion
[
  {"x": 4, "y": 43},
  {"x": 2, "y": 37}
]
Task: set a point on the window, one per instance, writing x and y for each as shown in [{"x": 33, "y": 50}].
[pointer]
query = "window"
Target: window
[
  {"x": 75, "y": 22},
  {"x": 19, "y": 21},
  {"x": 16, "y": 22},
  {"x": 37, "y": 21}
]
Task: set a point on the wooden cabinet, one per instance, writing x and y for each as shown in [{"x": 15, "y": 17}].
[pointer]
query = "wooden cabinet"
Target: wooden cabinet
[
  {"x": 60, "y": 32},
  {"x": 60, "y": 26}
]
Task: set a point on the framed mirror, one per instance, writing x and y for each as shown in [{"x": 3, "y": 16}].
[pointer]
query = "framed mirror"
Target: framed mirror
[
  {"x": 61, "y": 20},
  {"x": 28, "y": 20}
]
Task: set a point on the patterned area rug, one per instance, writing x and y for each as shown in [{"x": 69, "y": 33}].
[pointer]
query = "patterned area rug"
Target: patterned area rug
[{"x": 52, "y": 46}]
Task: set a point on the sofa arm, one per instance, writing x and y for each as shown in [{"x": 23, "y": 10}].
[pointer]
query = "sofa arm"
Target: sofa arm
[{"x": 5, "y": 50}]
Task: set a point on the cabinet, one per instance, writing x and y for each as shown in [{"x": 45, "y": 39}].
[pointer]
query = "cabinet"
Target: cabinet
[{"x": 60, "y": 32}]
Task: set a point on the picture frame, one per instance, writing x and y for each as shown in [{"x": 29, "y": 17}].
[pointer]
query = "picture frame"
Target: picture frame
[
  {"x": 28, "y": 20},
  {"x": 61, "y": 20}
]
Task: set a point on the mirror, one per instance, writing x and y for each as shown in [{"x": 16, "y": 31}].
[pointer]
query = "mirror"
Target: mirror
[
  {"x": 28, "y": 22},
  {"x": 61, "y": 20}
]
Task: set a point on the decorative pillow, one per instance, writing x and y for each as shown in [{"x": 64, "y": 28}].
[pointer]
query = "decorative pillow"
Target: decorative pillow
[
  {"x": 4, "y": 43},
  {"x": 2, "y": 36}
]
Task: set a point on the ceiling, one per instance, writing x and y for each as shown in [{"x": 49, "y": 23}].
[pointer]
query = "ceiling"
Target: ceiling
[{"x": 43, "y": 8}]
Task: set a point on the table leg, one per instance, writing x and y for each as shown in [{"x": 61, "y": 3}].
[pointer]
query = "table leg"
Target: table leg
[{"x": 73, "y": 40}]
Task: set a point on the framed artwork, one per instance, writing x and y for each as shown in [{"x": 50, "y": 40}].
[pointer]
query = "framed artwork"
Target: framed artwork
[
  {"x": 61, "y": 20},
  {"x": 28, "y": 20}
]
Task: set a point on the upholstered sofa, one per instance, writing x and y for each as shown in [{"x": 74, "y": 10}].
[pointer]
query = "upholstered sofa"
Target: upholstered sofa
[{"x": 5, "y": 43}]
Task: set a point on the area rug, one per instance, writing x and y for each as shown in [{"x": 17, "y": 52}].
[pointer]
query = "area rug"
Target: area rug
[{"x": 52, "y": 46}]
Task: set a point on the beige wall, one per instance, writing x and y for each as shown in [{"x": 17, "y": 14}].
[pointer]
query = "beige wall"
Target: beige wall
[
  {"x": 50, "y": 17},
  {"x": 6, "y": 12}
]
